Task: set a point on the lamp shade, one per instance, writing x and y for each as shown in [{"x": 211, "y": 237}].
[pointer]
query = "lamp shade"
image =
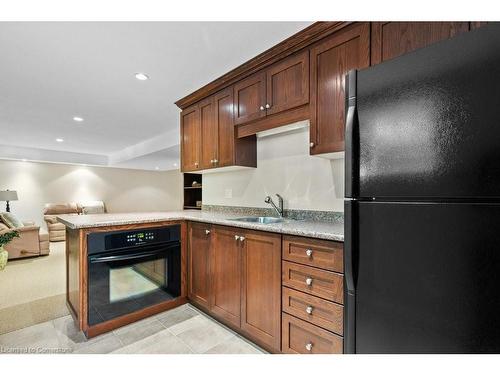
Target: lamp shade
[{"x": 8, "y": 195}]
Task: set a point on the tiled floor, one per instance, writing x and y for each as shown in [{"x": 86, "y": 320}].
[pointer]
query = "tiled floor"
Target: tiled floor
[{"x": 182, "y": 330}]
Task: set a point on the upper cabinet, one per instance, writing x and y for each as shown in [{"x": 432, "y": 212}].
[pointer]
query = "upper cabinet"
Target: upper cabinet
[
  {"x": 250, "y": 99},
  {"x": 190, "y": 139},
  {"x": 301, "y": 78},
  {"x": 393, "y": 39},
  {"x": 283, "y": 86},
  {"x": 331, "y": 59},
  {"x": 208, "y": 136}
]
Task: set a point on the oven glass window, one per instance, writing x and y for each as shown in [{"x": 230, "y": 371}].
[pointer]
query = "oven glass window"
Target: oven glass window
[
  {"x": 136, "y": 280},
  {"x": 130, "y": 280}
]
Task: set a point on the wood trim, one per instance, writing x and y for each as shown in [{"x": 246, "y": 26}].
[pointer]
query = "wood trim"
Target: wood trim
[
  {"x": 296, "y": 42},
  {"x": 100, "y": 328},
  {"x": 273, "y": 121}
]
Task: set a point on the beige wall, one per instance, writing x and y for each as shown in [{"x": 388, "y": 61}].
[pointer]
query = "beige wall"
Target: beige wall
[
  {"x": 122, "y": 190},
  {"x": 284, "y": 166}
]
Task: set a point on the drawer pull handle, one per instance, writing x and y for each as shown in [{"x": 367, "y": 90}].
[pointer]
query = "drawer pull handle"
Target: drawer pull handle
[
  {"x": 309, "y": 253},
  {"x": 309, "y": 310},
  {"x": 207, "y": 232},
  {"x": 309, "y": 281},
  {"x": 309, "y": 346},
  {"x": 236, "y": 237},
  {"x": 242, "y": 238}
]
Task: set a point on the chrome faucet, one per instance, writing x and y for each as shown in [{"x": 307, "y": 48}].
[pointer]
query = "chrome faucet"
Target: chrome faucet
[{"x": 279, "y": 209}]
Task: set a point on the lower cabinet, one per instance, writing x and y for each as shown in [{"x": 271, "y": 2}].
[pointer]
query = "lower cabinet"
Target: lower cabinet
[
  {"x": 235, "y": 275},
  {"x": 300, "y": 337},
  {"x": 226, "y": 275},
  {"x": 261, "y": 292},
  {"x": 199, "y": 263}
]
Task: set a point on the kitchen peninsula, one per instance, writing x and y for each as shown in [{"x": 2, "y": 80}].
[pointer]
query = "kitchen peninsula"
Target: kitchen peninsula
[{"x": 251, "y": 276}]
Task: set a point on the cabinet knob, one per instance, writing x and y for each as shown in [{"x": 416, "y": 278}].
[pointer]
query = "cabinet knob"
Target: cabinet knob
[
  {"x": 262, "y": 108},
  {"x": 215, "y": 161},
  {"x": 268, "y": 106},
  {"x": 311, "y": 144},
  {"x": 242, "y": 238},
  {"x": 309, "y": 310},
  {"x": 211, "y": 161},
  {"x": 309, "y": 253},
  {"x": 309, "y": 346},
  {"x": 309, "y": 281},
  {"x": 196, "y": 164},
  {"x": 207, "y": 232},
  {"x": 236, "y": 237}
]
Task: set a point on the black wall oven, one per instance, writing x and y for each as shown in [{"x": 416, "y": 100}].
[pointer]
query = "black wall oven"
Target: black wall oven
[{"x": 132, "y": 270}]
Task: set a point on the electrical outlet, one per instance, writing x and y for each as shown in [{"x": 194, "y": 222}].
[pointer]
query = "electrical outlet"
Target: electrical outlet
[{"x": 228, "y": 193}]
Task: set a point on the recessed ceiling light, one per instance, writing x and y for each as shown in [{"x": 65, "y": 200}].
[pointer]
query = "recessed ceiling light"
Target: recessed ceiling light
[
  {"x": 175, "y": 164},
  {"x": 25, "y": 160},
  {"x": 78, "y": 119},
  {"x": 157, "y": 168},
  {"x": 59, "y": 140},
  {"x": 141, "y": 76}
]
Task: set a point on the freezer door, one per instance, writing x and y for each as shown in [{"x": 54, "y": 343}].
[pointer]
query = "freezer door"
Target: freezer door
[
  {"x": 426, "y": 278},
  {"x": 429, "y": 121}
]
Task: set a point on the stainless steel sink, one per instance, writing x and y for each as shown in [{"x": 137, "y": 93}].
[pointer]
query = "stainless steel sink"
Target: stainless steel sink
[{"x": 260, "y": 219}]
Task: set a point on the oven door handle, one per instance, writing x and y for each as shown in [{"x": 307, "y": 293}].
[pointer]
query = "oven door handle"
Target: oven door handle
[{"x": 116, "y": 258}]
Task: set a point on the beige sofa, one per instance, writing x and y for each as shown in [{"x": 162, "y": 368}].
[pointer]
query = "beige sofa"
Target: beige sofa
[
  {"x": 57, "y": 230},
  {"x": 32, "y": 241}
]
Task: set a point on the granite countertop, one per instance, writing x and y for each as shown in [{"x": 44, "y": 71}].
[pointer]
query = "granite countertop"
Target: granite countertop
[{"x": 308, "y": 228}]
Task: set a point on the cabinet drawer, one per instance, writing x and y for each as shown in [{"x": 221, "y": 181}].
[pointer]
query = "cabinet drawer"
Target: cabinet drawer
[
  {"x": 324, "y": 284},
  {"x": 323, "y": 313},
  {"x": 316, "y": 253},
  {"x": 300, "y": 337}
]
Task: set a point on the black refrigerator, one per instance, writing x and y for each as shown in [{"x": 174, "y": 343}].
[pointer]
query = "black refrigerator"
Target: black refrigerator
[{"x": 422, "y": 207}]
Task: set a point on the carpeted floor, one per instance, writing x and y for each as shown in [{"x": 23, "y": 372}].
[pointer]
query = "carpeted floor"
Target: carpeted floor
[{"x": 33, "y": 290}]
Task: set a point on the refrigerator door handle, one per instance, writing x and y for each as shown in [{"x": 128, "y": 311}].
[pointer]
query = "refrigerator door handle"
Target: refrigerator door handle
[
  {"x": 351, "y": 137},
  {"x": 350, "y": 243}
]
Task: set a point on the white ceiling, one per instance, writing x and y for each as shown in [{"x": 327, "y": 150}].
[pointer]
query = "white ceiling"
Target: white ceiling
[{"x": 52, "y": 71}]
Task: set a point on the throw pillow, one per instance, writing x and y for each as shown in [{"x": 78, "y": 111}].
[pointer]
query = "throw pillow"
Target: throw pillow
[{"x": 11, "y": 220}]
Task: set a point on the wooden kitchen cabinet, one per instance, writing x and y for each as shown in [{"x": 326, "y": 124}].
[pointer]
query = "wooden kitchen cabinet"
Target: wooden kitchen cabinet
[
  {"x": 261, "y": 292},
  {"x": 190, "y": 139},
  {"x": 393, "y": 39},
  {"x": 199, "y": 248},
  {"x": 209, "y": 133},
  {"x": 226, "y": 275},
  {"x": 288, "y": 84},
  {"x": 331, "y": 59},
  {"x": 214, "y": 145},
  {"x": 250, "y": 98},
  {"x": 281, "y": 87}
]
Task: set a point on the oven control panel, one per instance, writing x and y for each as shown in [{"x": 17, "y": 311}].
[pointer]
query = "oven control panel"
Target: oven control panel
[
  {"x": 140, "y": 237},
  {"x": 115, "y": 240}
]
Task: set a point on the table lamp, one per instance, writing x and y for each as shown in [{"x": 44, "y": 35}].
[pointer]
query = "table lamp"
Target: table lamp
[{"x": 7, "y": 196}]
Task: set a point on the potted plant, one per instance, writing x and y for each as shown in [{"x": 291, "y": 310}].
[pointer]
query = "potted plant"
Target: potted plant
[{"x": 4, "y": 240}]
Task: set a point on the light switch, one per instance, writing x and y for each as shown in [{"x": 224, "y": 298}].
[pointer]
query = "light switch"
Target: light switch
[{"x": 228, "y": 193}]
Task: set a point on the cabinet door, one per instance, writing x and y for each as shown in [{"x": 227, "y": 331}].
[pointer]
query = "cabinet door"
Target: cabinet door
[
  {"x": 288, "y": 83},
  {"x": 250, "y": 98},
  {"x": 199, "y": 263},
  {"x": 331, "y": 59},
  {"x": 209, "y": 133},
  {"x": 392, "y": 39},
  {"x": 225, "y": 123},
  {"x": 190, "y": 139},
  {"x": 226, "y": 275},
  {"x": 261, "y": 291}
]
